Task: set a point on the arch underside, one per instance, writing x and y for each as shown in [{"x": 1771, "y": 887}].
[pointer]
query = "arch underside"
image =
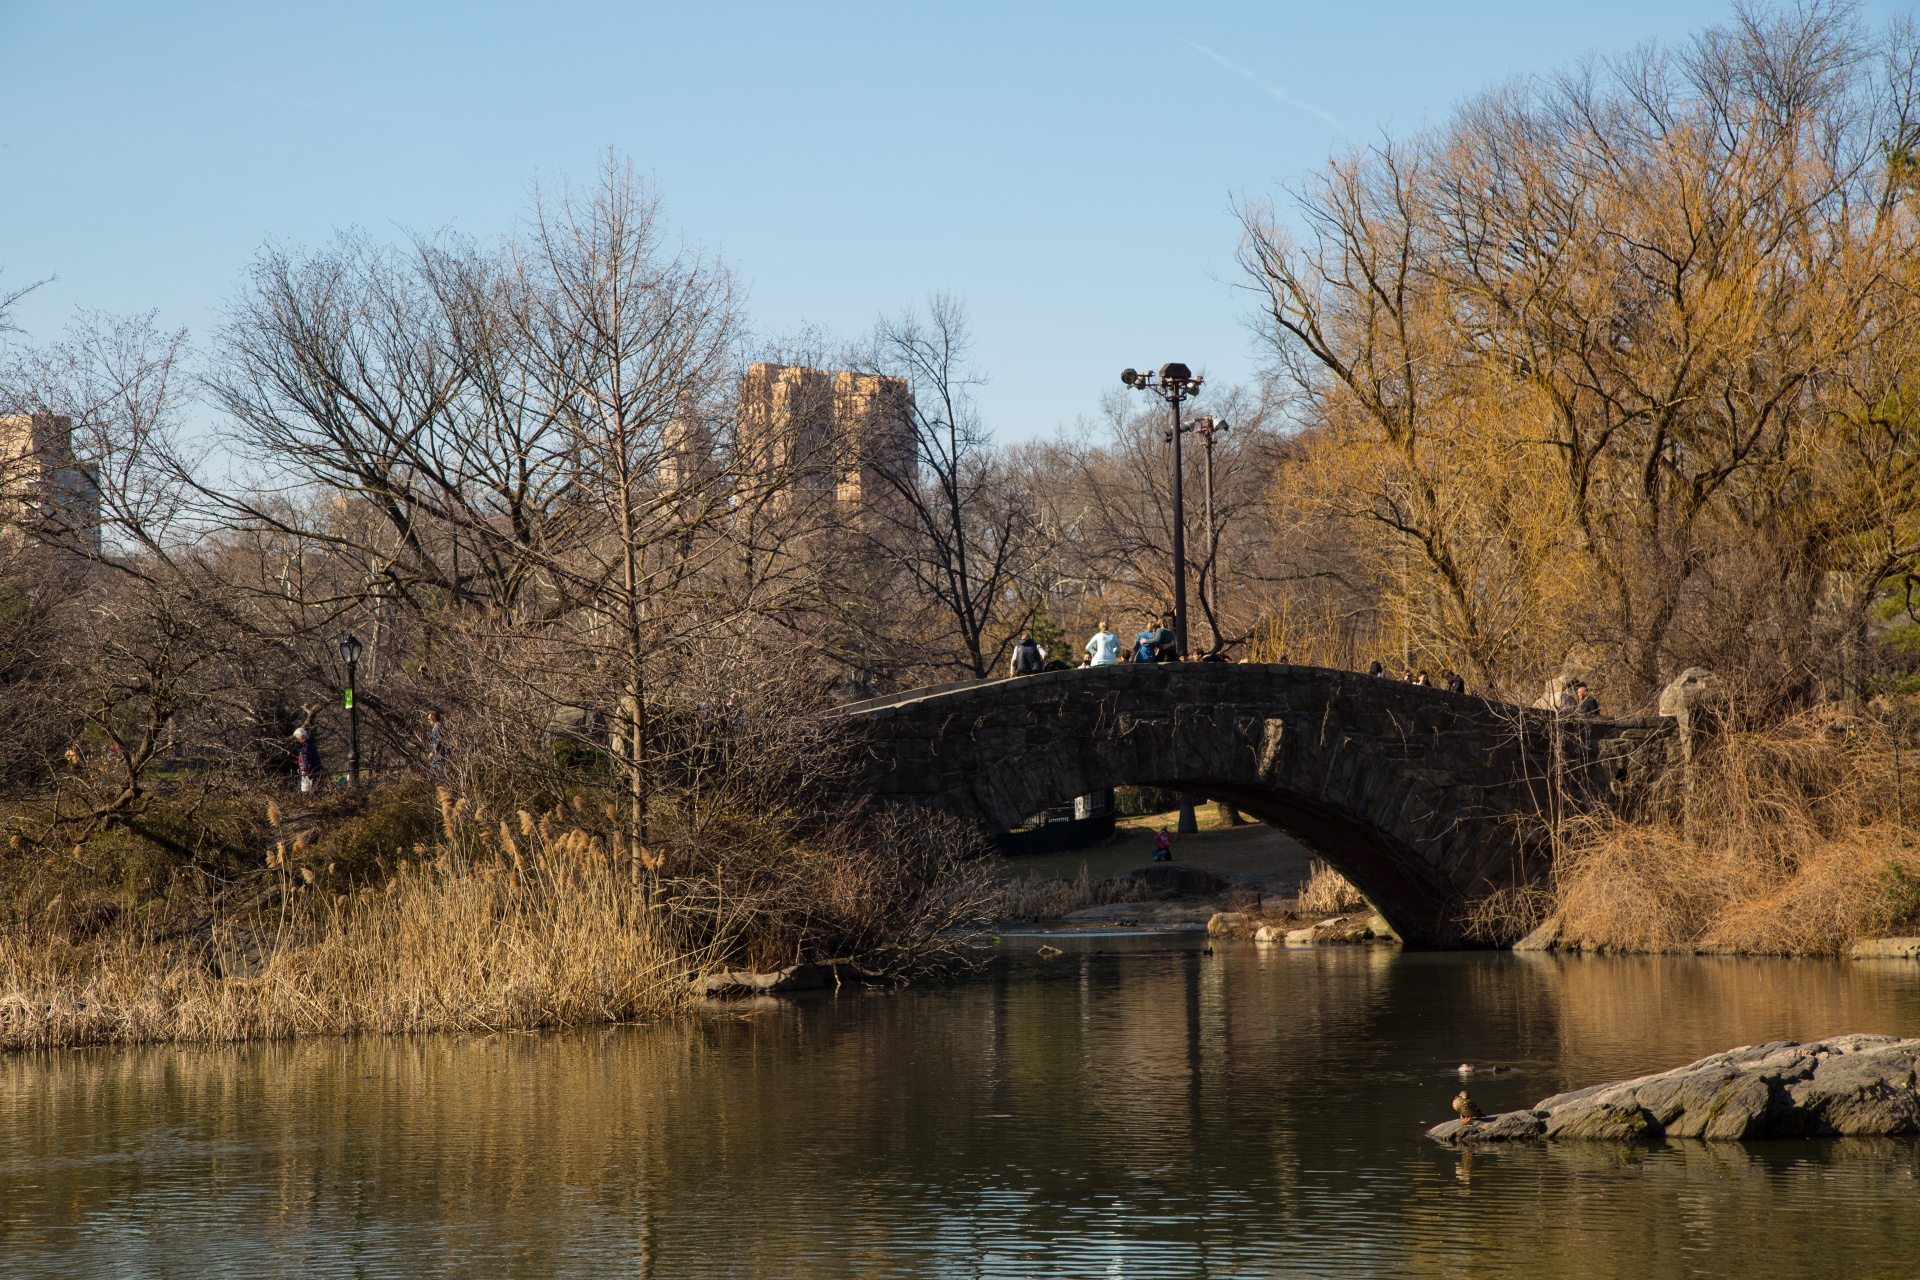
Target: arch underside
[{"x": 1421, "y": 904}]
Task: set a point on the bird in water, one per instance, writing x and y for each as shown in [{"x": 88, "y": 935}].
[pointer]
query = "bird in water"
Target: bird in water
[{"x": 1466, "y": 1108}]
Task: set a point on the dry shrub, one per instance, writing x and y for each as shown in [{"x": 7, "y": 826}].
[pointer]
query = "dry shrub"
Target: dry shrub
[
  {"x": 1508, "y": 913},
  {"x": 1328, "y": 893},
  {"x": 890, "y": 894},
  {"x": 1792, "y": 841},
  {"x": 1640, "y": 887},
  {"x": 1050, "y": 897}
]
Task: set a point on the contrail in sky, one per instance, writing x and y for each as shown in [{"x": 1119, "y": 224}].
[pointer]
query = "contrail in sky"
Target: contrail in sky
[{"x": 1278, "y": 94}]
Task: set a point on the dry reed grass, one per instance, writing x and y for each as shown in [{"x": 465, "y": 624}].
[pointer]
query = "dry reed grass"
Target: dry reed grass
[
  {"x": 441, "y": 949},
  {"x": 514, "y": 921},
  {"x": 1790, "y": 840},
  {"x": 1328, "y": 893}
]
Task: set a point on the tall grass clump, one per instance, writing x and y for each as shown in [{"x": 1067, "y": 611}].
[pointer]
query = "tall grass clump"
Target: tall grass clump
[
  {"x": 440, "y": 947},
  {"x": 1328, "y": 893},
  {"x": 1792, "y": 839}
]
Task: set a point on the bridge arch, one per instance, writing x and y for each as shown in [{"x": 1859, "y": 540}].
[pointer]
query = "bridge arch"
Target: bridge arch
[{"x": 1425, "y": 799}]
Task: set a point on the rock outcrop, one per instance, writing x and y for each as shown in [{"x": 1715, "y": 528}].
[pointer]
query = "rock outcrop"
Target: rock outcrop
[
  {"x": 1845, "y": 1086},
  {"x": 1886, "y": 949},
  {"x": 745, "y": 982},
  {"x": 1335, "y": 931}
]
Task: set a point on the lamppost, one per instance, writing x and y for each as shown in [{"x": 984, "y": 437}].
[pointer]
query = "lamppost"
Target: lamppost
[
  {"x": 1175, "y": 383},
  {"x": 350, "y": 653},
  {"x": 1208, "y": 427}
]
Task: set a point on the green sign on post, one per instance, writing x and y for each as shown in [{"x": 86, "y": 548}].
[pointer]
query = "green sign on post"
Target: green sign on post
[{"x": 347, "y": 699}]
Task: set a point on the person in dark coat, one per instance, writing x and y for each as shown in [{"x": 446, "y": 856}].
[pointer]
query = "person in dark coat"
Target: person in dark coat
[{"x": 1028, "y": 657}]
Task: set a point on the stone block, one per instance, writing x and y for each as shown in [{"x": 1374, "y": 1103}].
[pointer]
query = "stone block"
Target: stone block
[
  {"x": 1229, "y": 924},
  {"x": 1886, "y": 949}
]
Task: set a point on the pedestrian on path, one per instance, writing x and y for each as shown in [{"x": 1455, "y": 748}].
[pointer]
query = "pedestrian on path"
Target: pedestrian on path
[{"x": 1163, "y": 640}]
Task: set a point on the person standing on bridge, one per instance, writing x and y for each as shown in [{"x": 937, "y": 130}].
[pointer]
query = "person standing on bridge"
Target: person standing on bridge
[
  {"x": 1584, "y": 703},
  {"x": 1146, "y": 645},
  {"x": 1028, "y": 656},
  {"x": 1103, "y": 650}
]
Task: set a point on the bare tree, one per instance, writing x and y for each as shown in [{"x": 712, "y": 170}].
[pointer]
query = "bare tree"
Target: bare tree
[
  {"x": 953, "y": 519},
  {"x": 397, "y": 381},
  {"x": 626, "y": 335},
  {"x": 144, "y": 634}
]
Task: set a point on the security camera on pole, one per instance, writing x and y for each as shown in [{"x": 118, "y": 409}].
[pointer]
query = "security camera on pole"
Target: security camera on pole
[{"x": 1175, "y": 383}]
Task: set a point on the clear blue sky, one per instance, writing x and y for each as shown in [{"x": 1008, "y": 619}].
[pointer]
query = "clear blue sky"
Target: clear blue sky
[{"x": 1068, "y": 169}]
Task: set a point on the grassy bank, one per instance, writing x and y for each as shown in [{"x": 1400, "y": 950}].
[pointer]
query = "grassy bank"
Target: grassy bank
[{"x": 502, "y": 920}]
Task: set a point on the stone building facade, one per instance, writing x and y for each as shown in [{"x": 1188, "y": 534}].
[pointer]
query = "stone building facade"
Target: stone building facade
[
  {"x": 814, "y": 432},
  {"x": 48, "y": 495}
]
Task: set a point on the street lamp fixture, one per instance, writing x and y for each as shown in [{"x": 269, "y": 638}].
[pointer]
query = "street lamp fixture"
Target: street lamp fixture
[
  {"x": 1176, "y": 384},
  {"x": 350, "y": 654}
]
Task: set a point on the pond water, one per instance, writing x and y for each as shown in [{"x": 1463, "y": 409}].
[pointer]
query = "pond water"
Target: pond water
[{"x": 1135, "y": 1107}]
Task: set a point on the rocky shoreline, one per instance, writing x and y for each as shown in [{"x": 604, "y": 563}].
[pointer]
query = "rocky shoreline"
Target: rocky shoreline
[
  {"x": 1845, "y": 1086},
  {"x": 1251, "y": 906},
  {"x": 1551, "y": 936}
]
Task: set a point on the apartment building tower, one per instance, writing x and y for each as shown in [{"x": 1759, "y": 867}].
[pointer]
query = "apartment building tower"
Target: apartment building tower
[
  {"x": 47, "y": 494},
  {"x": 817, "y": 432}
]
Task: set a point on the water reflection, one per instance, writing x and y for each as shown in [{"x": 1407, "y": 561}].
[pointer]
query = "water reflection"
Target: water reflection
[{"x": 1153, "y": 1112}]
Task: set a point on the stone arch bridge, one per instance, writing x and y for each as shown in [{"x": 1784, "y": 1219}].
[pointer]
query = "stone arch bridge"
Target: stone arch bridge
[{"x": 1426, "y": 800}]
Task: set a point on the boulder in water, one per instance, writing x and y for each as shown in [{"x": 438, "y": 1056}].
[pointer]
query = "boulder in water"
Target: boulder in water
[
  {"x": 737, "y": 982},
  {"x": 1844, "y": 1086}
]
